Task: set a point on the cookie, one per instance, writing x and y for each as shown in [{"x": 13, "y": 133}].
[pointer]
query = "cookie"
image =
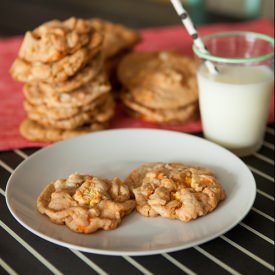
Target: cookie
[
  {"x": 117, "y": 37},
  {"x": 101, "y": 114},
  {"x": 135, "y": 66},
  {"x": 173, "y": 115},
  {"x": 58, "y": 112},
  {"x": 57, "y": 71},
  {"x": 79, "y": 97},
  {"x": 166, "y": 88},
  {"x": 55, "y": 39},
  {"x": 86, "y": 203},
  {"x": 176, "y": 191},
  {"x": 89, "y": 72},
  {"x": 33, "y": 131}
]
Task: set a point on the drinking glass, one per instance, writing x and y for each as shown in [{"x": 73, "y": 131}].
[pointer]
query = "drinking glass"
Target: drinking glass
[{"x": 235, "y": 102}]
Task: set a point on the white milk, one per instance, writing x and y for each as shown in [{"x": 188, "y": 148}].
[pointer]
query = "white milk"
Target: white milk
[{"x": 234, "y": 106}]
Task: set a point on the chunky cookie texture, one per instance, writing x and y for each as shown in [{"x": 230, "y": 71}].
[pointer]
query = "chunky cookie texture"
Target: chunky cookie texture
[
  {"x": 174, "y": 190},
  {"x": 86, "y": 203}
]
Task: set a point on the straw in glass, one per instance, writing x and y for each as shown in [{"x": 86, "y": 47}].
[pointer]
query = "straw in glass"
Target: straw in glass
[{"x": 191, "y": 29}]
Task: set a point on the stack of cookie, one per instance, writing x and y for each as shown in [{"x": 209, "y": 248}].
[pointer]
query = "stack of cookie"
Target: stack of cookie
[
  {"x": 66, "y": 89},
  {"x": 159, "y": 87}
]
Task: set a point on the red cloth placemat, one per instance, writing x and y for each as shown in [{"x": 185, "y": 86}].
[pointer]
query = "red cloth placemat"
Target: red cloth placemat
[{"x": 11, "y": 96}]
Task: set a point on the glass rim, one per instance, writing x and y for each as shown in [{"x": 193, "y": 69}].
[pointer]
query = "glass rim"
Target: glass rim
[{"x": 210, "y": 57}]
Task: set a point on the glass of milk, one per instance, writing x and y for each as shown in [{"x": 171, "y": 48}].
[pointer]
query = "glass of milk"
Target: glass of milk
[{"x": 235, "y": 103}]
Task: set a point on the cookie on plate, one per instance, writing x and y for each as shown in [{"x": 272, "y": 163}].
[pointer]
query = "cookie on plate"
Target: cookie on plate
[
  {"x": 175, "y": 190},
  {"x": 79, "y": 97},
  {"x": 86, "y": 203}
]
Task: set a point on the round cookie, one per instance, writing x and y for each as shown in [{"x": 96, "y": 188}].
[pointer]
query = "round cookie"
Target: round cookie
[
  {"x": 33, "y": 131},
  {"x": 101, "y": 114},
  {"x": 158, "y": 98},
  {"x": 89, "y": 72},
  {"x": 54, "y": 39},
  {"x": 57, "y": 71},
  {"x": 159, "y": 86},
  {"x": 137, "y": 66},
  {"x": 175, "y": 115},
  {"x": 166, "y": 88},
  {"x": 86, "y": 203},
  {"x": 82, "y": 96},
  {"x": 175, "y": 191},
  {"x": 58, "y": 113}
]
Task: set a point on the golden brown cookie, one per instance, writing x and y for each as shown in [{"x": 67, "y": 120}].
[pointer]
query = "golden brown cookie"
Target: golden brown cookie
[
  {"x": 55, "y": 39},
  {"x": 175, "y": 190},
  {"x": 166, "y": 89},
  {"x": 117, "y": 38},
  {"x": 172, "y": 115},
  {"x": 58, "y": 113},
  {"x": 101, "y": 114},
  {"x": 33, "y": 131},
  {"x": 89, "y": 72},
  {"x": 86, "y": 203},
  {"x": 82, "y": 96},
  {"x": 135, "y": 66}
]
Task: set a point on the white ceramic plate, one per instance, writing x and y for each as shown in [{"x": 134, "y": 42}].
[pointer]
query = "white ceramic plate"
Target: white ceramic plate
[{"x": 115, "y": 153}]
